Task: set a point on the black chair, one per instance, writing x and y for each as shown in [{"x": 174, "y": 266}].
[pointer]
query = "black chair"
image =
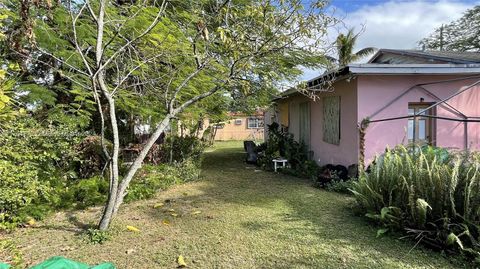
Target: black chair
[{"x": 251, "y": 150}]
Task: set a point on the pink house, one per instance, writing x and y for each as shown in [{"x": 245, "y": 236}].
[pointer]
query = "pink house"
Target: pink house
[{"x": 408, "y": 96}]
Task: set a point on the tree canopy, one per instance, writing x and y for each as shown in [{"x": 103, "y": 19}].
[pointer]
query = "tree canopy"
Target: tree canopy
[
  {"x": 99, "y": 64},
  {"x": 459, "y": 35}
]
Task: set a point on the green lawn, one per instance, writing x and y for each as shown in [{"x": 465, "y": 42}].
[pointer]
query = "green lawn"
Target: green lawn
[{"x": 248, "y": 219}]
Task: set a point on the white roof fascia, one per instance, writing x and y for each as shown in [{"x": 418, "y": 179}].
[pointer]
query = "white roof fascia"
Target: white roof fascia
[{"x": 414, "y": 68}]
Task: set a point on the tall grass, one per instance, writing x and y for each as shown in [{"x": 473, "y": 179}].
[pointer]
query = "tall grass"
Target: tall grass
[{"x": 430, "y": 194}]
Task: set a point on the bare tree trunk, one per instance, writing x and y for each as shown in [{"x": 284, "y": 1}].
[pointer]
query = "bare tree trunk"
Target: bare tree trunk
[
  {"x": 119, "y": 188},
  {"x": 114, "y": 175}
]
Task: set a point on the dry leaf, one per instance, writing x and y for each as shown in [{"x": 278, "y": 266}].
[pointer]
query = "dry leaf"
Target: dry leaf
[
  {"x": 132, "y": 228},
  {"x": 67, "y": 248},
  {"x": 31, "y": 221},
  {"x": 130, "y": 251},
  {"x": 158, "y": 205},
  {"x": 166, "y": 222},
  {"x": 174, "y": 214},
  {"x": 181, "y": 261}
]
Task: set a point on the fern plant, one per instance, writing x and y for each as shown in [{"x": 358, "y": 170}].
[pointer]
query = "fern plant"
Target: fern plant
[{"x": 431, "y": 194}]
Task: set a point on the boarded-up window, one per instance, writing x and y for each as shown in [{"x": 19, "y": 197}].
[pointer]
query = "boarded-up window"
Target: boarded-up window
[
  {"x": 331, "y": 119},
  {"x": 304, "y": 126}
]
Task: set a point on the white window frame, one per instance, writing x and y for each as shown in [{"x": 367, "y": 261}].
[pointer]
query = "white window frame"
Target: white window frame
[{"x": 257, "y": 123}]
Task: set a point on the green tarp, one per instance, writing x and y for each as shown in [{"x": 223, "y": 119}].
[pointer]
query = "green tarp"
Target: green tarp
[{"x": 63, "y": 263}]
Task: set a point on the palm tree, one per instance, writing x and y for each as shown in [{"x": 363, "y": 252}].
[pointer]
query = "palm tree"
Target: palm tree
[{"x": 345, "y": 44}]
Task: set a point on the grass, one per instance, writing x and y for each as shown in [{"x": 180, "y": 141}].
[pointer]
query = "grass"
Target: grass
[{"x": 248, "y": 219}]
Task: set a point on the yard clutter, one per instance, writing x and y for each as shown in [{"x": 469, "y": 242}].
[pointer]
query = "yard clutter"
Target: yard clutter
[
  {"x": 279, "y": 162},
  {"x": 251, "y": 149},
  {"x": 283, "y": 153}
]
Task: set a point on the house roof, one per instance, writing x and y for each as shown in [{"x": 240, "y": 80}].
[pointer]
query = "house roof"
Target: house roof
[
  {"x": 414, "y": 69},
  {"x": 392, "y": 56},
  {"x": 407, "y": 62},
  {"x": 385, "y": 69}
]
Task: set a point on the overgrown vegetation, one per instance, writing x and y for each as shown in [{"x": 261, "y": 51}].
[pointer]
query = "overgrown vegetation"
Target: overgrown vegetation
[
  {"x": 47, "y": 169},
  {"x": 340, "y": 186},
  {"x": 35, "y": 165},
  {"x": 10, "y": 254},
  {"x": 430, "y": 194},
  {"x": 235, "y": 209},
  {"x": 96, "y": 236},
  {"x": 282, "y": 144},
  {"x": 152, "y": 178}
]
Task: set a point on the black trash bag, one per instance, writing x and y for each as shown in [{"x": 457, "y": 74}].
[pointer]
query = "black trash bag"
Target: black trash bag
[{"x": 330, "y": 172}]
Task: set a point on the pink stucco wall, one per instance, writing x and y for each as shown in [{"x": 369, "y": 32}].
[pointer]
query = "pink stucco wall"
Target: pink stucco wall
[
  {"x": 375, "y": 91},
  {"x": 365, "y": 95},
  {"x": 346, "y": 153}
]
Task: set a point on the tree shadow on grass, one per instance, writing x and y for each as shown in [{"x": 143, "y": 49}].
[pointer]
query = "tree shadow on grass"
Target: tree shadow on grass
[
  {"x": 323, "y": 218},
  {"x": 73, "y": 224}
]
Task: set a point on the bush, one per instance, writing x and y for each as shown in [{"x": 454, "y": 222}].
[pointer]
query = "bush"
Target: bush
[
  {"x": 340, "y": 186},
  {"x": 32, "y": 159},
  {"x": 91, "y": 159},
  {"x": 19, "y": 186},
  {"x": 152, "y": 178},
  {"x": 282, "y": 144},
  {"x": 430, "y": 194},
  {"x": 11, "y": 254},
  {"x": 43, "y": 169},
  {"x": 95, "y": 236},
  {"x": 180, "y": 148},
  {"x": 89, "y": 192}
]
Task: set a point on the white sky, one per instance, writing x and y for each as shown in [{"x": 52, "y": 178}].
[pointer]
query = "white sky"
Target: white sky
[{"x": 396, "y": 24}]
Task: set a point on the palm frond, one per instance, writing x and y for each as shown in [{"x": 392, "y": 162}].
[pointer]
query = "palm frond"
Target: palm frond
[{"x": 365, "y": 52}]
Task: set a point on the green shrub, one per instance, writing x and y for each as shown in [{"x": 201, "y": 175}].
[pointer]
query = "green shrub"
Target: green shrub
[
  {"x": 431, "y": 194},
  {"x": 282, "y": 144},
  {"x": 19, "y": 186},
  {"x": 152, "y": 178},
  {"x": 340, "y": 186},
  {"x": 10, "y": 254},
  {"x": 90, "y": 192},
  {"x": 33, "y": 160},
  {"x": 95, "y": 236},
  {"x": 47, "y": 168},
  {"x": 179, "y": 149}
]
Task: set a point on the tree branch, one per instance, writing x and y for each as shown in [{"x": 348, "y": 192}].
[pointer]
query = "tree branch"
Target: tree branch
[
  {"x": 75, "y": 39},
  {"x": 121, "y": 49}
]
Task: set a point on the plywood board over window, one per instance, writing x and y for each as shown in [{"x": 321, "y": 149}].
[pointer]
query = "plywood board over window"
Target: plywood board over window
[
  {"x": 331, "y": 119},
  {"x": 304, "y": 126}
]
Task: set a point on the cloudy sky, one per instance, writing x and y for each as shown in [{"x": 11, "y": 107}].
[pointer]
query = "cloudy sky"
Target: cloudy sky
[{"x": 396, "y": 24}]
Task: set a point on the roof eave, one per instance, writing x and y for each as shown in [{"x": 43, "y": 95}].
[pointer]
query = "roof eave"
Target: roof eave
[
  {"x": 421, "y": 55},
  {"x": 415, "y": 69},
  {"x": 336, "y": 75}
]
